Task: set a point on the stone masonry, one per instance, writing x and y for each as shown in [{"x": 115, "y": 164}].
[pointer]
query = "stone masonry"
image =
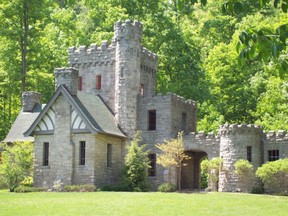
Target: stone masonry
[{"x": 123, "y": 75}]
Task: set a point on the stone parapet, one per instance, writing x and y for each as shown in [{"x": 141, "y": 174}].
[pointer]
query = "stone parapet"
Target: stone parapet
[{"x": 281, "y": 135}]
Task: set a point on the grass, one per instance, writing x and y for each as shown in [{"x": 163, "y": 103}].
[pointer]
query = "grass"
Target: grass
[{"x": 121, "y": 203}]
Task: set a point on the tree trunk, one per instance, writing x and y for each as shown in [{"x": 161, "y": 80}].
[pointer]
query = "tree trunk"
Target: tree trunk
[
  {"x": 179, "y": 178},
  {"x": 24, "y": 45}
]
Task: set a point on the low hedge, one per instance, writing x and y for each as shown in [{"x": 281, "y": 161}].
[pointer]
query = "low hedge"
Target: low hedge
[
  {"x": 167, "y": 187},
  {"x": 79, "y": 188},
  {"x": 25, "y": 189}
]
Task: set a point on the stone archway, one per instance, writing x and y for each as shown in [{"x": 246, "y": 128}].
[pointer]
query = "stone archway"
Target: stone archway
[{"x": 191, "y": 172}]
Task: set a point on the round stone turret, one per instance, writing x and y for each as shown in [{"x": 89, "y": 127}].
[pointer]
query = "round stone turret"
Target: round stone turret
[
  {"x": 239, "y": 142},
  {"x": 29, "y": 100},
  {"x": 68, "y": 77}
]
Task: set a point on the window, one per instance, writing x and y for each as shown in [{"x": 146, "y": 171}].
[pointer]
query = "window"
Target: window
[
  {"x": 249, "y": 153},
  {"x": 45, "y": 154},
  {"x": 152, "y": 120},
  {"x": 109, "y": 155},
  {"x": 152, "y": 164},
  {"x": 184, "y": 122},
  {"x": 82, "y": 152},
  {"x": 142, "y": 90},
  {"x": 273, "y": 155},
  {"x": 98, "y": 82},
  {"x": 80, "y": 83}
]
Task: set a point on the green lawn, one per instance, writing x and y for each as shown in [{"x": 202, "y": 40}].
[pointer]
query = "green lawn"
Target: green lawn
[{"x": 120, "y": 203}]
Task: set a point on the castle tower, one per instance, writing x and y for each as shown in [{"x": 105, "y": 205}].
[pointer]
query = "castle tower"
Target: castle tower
[
  {"x": 127, "y": 73},
  {"x": 239, "y": 142}
]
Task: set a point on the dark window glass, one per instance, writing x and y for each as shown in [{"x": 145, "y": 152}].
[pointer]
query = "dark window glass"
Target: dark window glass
[
  {"x": 45, "y": 154},
  {"x": 273, "y": 155},
  {"x": 109, "y": 155},
  {"x": 80, "y": 83},
  {"x": 152, "y": 120},
  {"x": 152, "y": 164},
  {"x": 82, "y": 152},
  {"x": 98, "y": 82},
  {"x": 249, "y": 153},
  {"x": 184, "y": 122}
]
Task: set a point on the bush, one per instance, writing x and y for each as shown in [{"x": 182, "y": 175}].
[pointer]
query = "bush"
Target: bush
[
  {"x": 274, "y": 176},
  {"x": 80, "y": 188},
  {"x": 167, "y": 187},
  {"x": 25, "y": 189},
  {"x": 257, "y": 190}
]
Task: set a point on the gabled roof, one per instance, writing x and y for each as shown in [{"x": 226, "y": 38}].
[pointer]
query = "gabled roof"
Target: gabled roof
[
  {"x": 90, "y": 108},
  {"x": 21, "y": 125}
]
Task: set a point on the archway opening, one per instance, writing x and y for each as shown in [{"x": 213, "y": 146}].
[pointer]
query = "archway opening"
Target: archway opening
[{"x": 191, "y": 170}]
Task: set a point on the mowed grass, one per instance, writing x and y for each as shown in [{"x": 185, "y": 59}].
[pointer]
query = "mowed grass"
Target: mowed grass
[{"x": 120, "y": 203}]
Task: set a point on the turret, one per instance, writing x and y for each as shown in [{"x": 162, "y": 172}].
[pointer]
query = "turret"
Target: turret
[{"x": 128, "y": 37}]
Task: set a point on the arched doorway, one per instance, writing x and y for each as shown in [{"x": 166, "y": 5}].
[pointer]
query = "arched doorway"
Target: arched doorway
[{"x": 191, "y": 171}]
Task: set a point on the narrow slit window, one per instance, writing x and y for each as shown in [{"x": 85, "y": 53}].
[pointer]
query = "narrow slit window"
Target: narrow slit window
[
  {"x": 249, "y": 153},
  {"x": 152, "y": 165},
  {"x": 184, "y": 122},
  {"x": 82, "y": 152},
  {"x": 109, "y": 155},
  {"x": 45, "y": 154},
  {"x": 98, "y": 82},
  {"x": 80, "y": 83},
  {"x": 152, "y": 120}
]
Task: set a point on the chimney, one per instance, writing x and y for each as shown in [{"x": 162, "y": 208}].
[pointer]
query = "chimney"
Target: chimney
[
  {"x": 68, "y": 77},
  {"x": 29, "y": 100}
]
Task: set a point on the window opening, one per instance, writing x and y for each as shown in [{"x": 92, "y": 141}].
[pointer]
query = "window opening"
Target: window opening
[
  {"x": 82, "y": 152},
  {"x": 152, "y": 164},
  {"x": 98, "y": 82},
  {"x": 152, "y": 120},
  {"x": 273, "y": 155},
  {"x": 249, "y": 153},
  {"x": 80, "y": 83},
  {"x": 45, "y": 154},
  {"x": 109, "y": 155}
]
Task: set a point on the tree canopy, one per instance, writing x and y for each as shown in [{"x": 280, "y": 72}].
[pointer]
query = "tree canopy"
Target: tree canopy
[{"x": 230, "y": 56}]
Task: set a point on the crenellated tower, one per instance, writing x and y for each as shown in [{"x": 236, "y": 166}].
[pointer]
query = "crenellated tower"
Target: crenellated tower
[{"x": 127, "y": 37}]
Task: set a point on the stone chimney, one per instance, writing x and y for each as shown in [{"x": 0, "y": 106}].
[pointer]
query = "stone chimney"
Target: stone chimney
[
  {"x": 29, "y": 100},
  {"x": 68, "y": 77}
]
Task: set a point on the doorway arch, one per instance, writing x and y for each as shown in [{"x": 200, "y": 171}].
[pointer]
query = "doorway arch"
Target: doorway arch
[{"x": 191, "y": 170}]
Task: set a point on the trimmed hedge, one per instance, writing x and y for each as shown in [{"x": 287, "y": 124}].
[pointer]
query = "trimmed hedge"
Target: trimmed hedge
[
  {"x": 116, "y": 187},
  {"x": 79, "y": 188},
  {"x": 25, "y": 189}
]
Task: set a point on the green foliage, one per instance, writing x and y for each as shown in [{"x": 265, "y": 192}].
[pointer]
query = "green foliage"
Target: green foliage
[
  {"x": 136, "y": 165},
  {"x": 173, "y": 155},
  {"x": 274, "y": 175},
  {"x": 79, "y": 188},
  {"x": 17, "y": 163},
  {"x": 26, "y": 189},
  {"x": 167, "y": 187},
  {"x": 211, "y": 169},
  {"x": 243, "y": 168}
]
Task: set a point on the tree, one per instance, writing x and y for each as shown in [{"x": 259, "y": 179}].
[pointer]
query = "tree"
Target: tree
[
  {"x": 173, "y": 155},
  {"x": 136, "y": 165},
  {"x": 17, "y": 163}
]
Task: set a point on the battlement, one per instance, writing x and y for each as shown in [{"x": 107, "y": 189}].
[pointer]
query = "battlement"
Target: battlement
[
  {"x": 281, "y": 135},
  {"x": 94, "y": 55},
  {"x": 202, "y": 136},
  {"x": 240, "y": 129},
  {"x": 128, "y": 30}
]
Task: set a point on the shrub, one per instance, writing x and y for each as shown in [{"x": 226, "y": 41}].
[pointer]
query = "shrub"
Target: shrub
[
  {"x": 136, "y": 165},
  {"x": 257, "y": 190},
  {"x": 274, "y": 176},
  {"x": 25, "y": 189},
  {"x": 80, "y": 188},
  {"x": 167, "y": 187},
  {"x": 17, "y": 163}
]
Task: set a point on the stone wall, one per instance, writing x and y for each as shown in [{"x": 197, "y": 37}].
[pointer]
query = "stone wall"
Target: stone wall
[{"x": 234, "y": 140}]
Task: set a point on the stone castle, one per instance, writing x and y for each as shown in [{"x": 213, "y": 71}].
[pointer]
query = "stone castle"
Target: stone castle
[{"x": 103, "y": 97}]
